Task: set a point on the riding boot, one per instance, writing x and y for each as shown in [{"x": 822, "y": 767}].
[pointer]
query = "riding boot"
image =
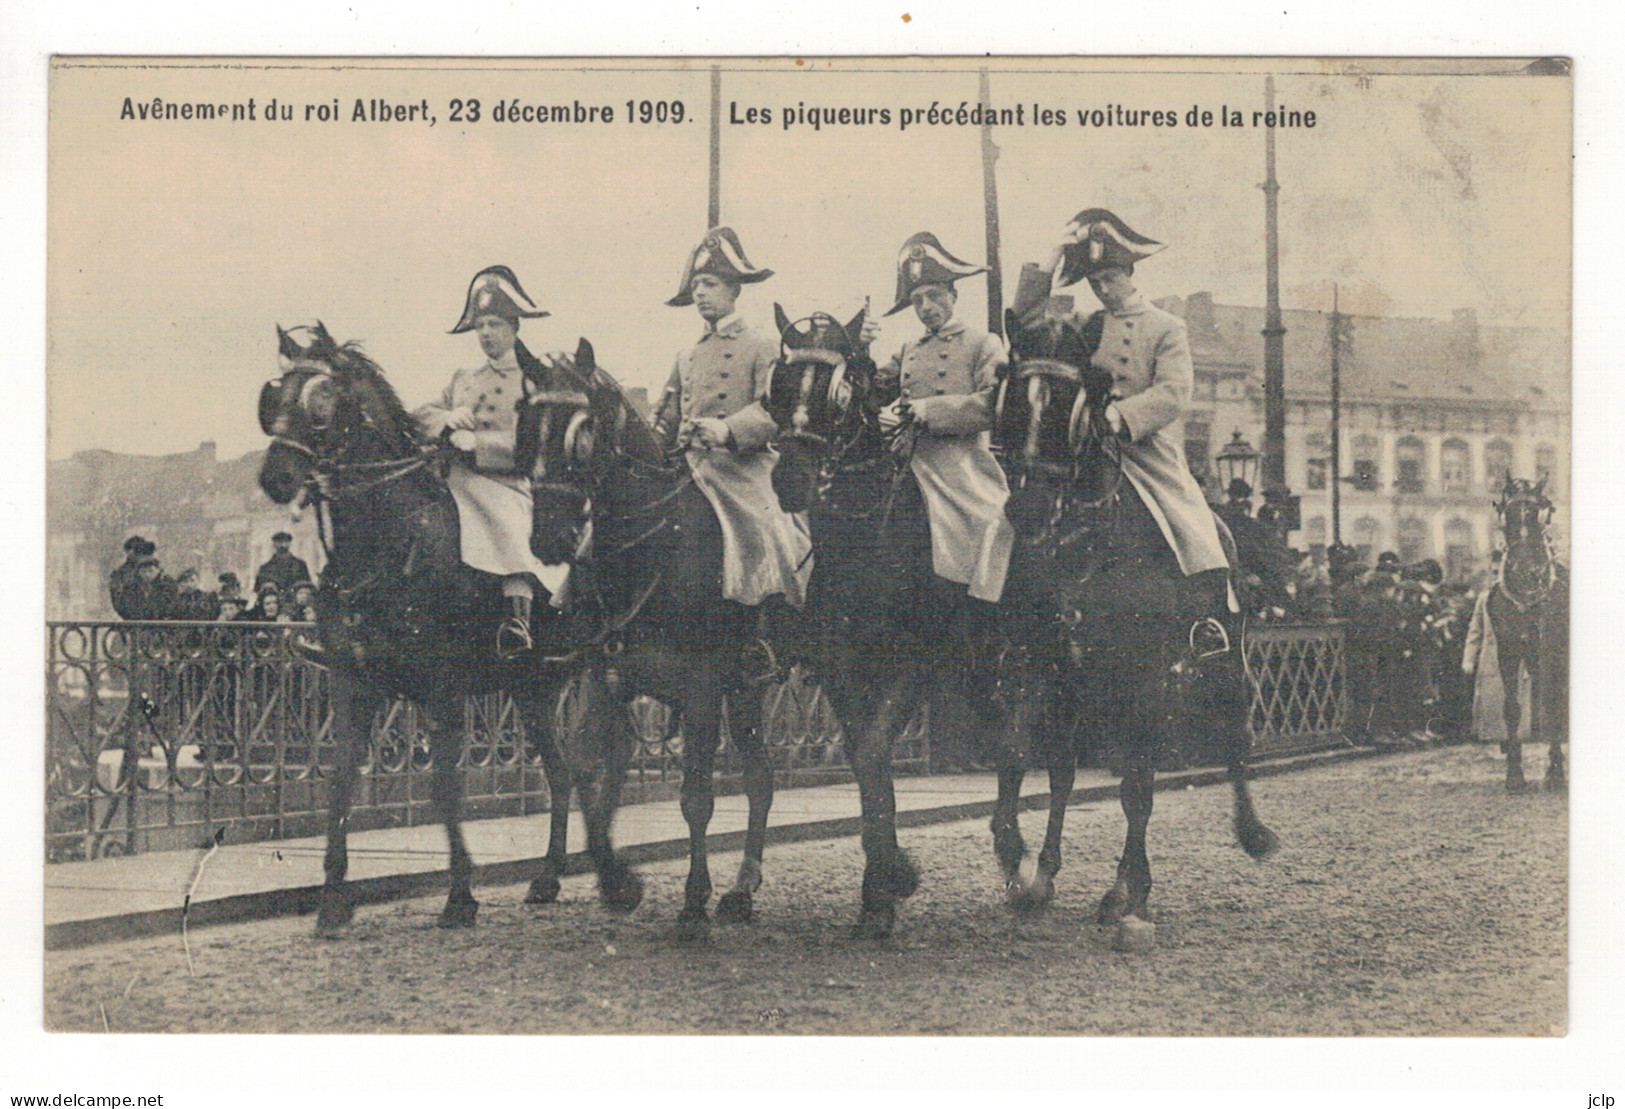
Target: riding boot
[{"x": 513, "y": 637}]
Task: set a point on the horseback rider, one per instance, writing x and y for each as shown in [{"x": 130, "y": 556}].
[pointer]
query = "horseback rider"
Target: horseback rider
[
  {"x": 712, "y": 408},
  {"x": 941, "y": 386},
  {"x": 477, "y": 414},
  {"x": 1148, "y": 354}
]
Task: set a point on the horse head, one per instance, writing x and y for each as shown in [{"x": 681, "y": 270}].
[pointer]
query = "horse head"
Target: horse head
[
  {"x": 1528, "y": 569},
  {"x": 1049, "y": 414},
  {"x": 574, "y": 425},
  {"x": 818, "y": 396},
  {"x": 330, "y": 407}
]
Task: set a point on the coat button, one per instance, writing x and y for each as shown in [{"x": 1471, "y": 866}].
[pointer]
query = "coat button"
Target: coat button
[
  {"x": 1123, "y": 359},
  {"x": 944, "y": 355},
  {"x": 722, "y": 396},
  {"x": 942, "y": 373},
  {"x": 727, "y": 354},
  {"x": 499, "y": 390},
  {"x": 1127, "y": 340},
  {"x": 722, "y": 373}
]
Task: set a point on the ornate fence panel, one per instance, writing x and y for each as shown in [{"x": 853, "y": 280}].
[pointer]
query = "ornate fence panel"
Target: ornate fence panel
[
  {"x": 160, "y": 733},
  {"x": 1300, "y": 693}
]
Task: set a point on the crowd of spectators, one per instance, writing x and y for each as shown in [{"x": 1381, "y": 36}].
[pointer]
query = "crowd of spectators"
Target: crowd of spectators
[{"x": 284, "y": 591}]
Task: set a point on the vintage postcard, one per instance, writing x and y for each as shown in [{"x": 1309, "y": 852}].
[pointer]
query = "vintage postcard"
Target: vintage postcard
[{"x": 788, "y": 468}]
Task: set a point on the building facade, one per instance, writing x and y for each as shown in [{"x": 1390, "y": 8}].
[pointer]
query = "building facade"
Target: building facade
[
  {"x": 1434, "y": 415},
  {"x": 202, "y": 513}
]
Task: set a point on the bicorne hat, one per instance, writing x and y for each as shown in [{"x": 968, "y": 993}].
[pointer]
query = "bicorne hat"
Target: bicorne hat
[
  {"x": 924, "y": 261},
  {"x": 1106, "y": 242},
  {"x": 495, "y": 291},
  {"x": 720, "y": 255}
]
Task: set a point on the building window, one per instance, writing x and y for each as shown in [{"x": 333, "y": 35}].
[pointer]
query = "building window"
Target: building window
[
  {"x": 1411, "y": 455},
  {"x": 1367, "y": 532},
  {"x": 1546, "y": 467},
  {"x": 1460, "y": 555},
  {"x": 1314, "y": 474},
  {"x": 1413, "y": 540},
  {"x": 1455, "y": 466},
  {"x": 1497, "y": 463},
  {"x": 1316, "y": 448},
  {"x": 1366, "y": 475},
  {"x": 1198, "y": 449}
]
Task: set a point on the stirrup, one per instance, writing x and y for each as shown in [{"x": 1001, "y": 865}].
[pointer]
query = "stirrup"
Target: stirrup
[{"x": 513, "y": 638}]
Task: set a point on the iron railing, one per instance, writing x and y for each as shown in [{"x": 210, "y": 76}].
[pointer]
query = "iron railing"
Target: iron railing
[{"x": 160, "y": 733}]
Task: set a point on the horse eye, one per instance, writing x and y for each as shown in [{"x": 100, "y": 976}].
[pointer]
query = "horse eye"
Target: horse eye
[{"x": 320, "y": 401}]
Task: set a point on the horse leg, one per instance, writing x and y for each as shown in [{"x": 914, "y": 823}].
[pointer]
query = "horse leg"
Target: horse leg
[
  {"x": 745, "y": 707},
  {"x": 446, "y": 787},
  {"x": 1008, "y": 846},
  {"x": 1539, "y": 725},
  {"x": 544, "y": 889},
  {"x": 1253, "y": 834},
  {"x": 889, "y": 875},
  {"x": 352, "y": 721},
  {"x": 1510, "y": 658},
  {"x": 1127, "y": 898},
  {"x": 702, "y": 722},
  {"x": 597, "y": 749}
]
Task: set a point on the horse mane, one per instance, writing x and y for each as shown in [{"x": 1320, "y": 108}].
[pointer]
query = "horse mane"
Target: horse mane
[{"x": 351, "y": 361}]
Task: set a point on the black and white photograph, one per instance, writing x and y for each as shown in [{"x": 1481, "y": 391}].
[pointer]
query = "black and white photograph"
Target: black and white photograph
[{"x": 809, "y": 546}]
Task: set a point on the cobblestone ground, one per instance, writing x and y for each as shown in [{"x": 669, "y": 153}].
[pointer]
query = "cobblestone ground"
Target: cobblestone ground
[{"x": 1411, "y": 896}]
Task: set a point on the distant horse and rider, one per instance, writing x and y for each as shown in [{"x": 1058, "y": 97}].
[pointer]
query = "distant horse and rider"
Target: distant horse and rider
[{"x": 1528, "y": 607}]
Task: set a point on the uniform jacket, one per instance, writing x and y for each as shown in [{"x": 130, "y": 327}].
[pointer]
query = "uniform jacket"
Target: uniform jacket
[
  {"x": 283, "y": 569},
  {"x": 1148, "y": 354},
  {"x": 493, "y": 505},
  {"x": 948, "y": 379},
  {"x": 726, "y": 376}
]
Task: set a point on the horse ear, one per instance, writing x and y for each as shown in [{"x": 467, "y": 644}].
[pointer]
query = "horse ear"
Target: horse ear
[
  {"x": 780, "y": 320},
  {"x": 285, "y": 345},
  {"x": 586, "y": 363},
  {"x": 854, "y": 327}
]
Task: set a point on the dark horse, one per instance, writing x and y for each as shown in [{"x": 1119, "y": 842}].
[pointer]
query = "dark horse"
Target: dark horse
[
  {"x": 1117, "y": 652},
  {"x": 1529, "y": 610},
  {"x": 399, "y": 615},
  {"x": 651, "y": 581},
  {"x": 880, "y": 626}
]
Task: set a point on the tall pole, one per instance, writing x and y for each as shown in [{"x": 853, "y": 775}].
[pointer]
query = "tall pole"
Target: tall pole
[
  {"x": 1337, "y": 426},
  {"x": 713, "y": 212},
  {"x": 1274, "y": 332},
  {"x": 990, "y": 210}
]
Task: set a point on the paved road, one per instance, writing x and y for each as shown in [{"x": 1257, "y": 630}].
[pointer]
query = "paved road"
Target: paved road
[{"x": 1412, "y": 896}]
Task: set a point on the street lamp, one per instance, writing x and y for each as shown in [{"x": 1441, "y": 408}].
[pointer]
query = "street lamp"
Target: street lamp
[{"x": 1237, "y": 461}]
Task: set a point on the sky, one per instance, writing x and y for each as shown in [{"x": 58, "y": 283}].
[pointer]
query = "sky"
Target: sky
[{"x": 176, "y": 247}]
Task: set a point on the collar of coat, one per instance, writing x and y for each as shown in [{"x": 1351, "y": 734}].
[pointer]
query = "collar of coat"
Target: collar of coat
[
  {"x": 1135, "y": 305},
  {"x": 507, "y": 364},
  {"x": 954, "y": 326},
  {"x": 726, "y": 328}
]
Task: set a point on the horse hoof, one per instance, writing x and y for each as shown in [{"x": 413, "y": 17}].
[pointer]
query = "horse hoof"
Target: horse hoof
[
  {"x": 1557, "y": 783},
  {"x": 1135, "y": 936},
  {"x": 333, "y": 918},
  {"x": 1113, "y": 907},
  {"x": 1256, "y": 839},
  {"x": 543, "y": 891},
  {"x": 693, "y": 924},
  {"x": 1029, "y": 899},
  {"x": 734, "y": 907},
  {"x": 875, "y": 924},
  {"x": 620, "y": 889},
  {"x": 901, "y": 877},
  {"x": 1516, "y": 786},
  {"x": 458, "y": 914}
]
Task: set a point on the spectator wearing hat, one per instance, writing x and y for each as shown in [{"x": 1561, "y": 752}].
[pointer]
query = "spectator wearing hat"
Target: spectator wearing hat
[
  {"x": 231, "y": 608},
  {"x": 154, "y": 596},
  {"x": 477, "y": 414},
  {"x": 123, "y": 584},
  {"x": 712, "y": 408},
  {"x": 230, "y": 585},
  {"x": 1147, "y": 352},
  {"x": 283, "y": 569},
  {"x": 302, "y": 608}
]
